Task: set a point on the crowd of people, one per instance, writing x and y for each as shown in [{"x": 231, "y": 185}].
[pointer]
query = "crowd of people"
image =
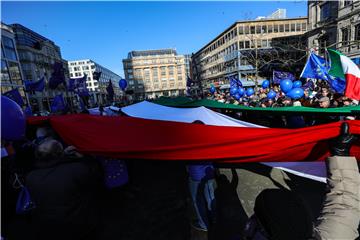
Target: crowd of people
[
  {"x": 68, "y": 190},
  {"x": 61, "y": 192},
  {"x": 319, "y": 95}
]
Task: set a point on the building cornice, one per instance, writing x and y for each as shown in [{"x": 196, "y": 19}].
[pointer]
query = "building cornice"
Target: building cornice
[{"x": 248, "y": 22}]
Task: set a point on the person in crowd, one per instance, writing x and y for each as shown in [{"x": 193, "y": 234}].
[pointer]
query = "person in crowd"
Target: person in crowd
[
  {"x": 281, "y": 214},
  {"x": 65, "y": 190},
  {"x": 202, "y": 191},
  {"x": 324, "y": 102}
]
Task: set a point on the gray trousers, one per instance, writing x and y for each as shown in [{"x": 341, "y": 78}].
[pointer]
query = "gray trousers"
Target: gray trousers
[{"x": 340, "y": 215}]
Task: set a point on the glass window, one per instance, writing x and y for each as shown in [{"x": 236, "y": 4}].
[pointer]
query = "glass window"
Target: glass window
[
  {"x": 347, "y": 2},
  {"x": 287, "y": 27},
  {"x": 263, "y": 43},
  {"x": 298, "y": 27},
  {"x": 85, "y": 67},
  {"x": 163, "y": 71},
  {"x": 252, "y": 29},
  {"x": 357, "y": 32},
  {"x": 258, "y": 29},
  {"x": 263, "y": 29},
  {"x": 325, "y": 11},
  {"x": 14, "y": 71},
  {"x": 293, "y": 27},
  {"x": 171, "y": 70},
  {"x": 179, "y": 77},
  {"x": 241, "y": 45},
  {"x": 247, "y": 44},
  {"x": 8, "y": 42},
  {"x": 270, "y": 28},
  {"x": 345, "y": 36},
  {"x": 4, "y": 72},
  {"x": 241, "y": 30},
  {"x": 9, "y": 48},
  {"x": 276, "y": 28},
  {"x": 247, "y": 30},
  {"x": 303, "y": 26},
  {"x": 281, "y": 28}
]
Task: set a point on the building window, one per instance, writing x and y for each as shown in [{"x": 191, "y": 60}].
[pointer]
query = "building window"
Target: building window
[
  {"x": 287, "y": 27},
  {"x": 163, "y": 71},
  {"x": 276, "y": 28},
  {"x": 131, "y": 82},
  {"x": 347, "y": 2},
  {"x": 345, "y": 36},
  {"x": 252, "y": 29},
  {"x": 303, "y": 26},
  {"x": 247, "y": 44},
  {"x": 14, "y": 71},
  {"x": 171, "y": 70},
  {"x": 298, "y": 27},
  {"x": 179, "y": 78},
  {"x": 325, "y": 11},
  {"x": 270, "y": 28},
  {"x": 293, "y": 27},
  {"x": 263, "y": 43},
  {"x": 9, "y": 48},
  {"x": 258, "y": 29},
  {"x": 281, "y": 28},
  {"x": 263, "y": 29},
  {"x": 241, "y": 30},
  {"x": 357, "y": 32},
  {"x": 85, "y": 67},
  {"x": 4, "y": 72},
  {"x": 241, "y": 45},
  {"x": 247, "y": 30}
]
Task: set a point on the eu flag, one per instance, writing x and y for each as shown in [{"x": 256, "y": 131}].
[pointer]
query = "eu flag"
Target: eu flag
[
  {"x": 234, "y": 82},
  {"x": 58, "y": 75},
  {"x": 15, "y": 96},
  {"x": 279, "y": 75},
  {"x": 35, "y": 86},
  {"x": 58, "y": 104},
  {"x": 316, "y": 68}
]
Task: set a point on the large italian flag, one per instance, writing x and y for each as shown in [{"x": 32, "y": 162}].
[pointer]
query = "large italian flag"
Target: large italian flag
[{"x": 343, "y": 67}]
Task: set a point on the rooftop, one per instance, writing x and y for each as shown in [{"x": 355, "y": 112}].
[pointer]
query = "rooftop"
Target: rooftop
[{"x": 146, "y": 53}]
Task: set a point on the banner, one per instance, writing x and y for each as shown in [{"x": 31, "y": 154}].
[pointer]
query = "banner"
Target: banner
[
  {"x": 163, "y": 140},
  {"x": 279, "y": 75}
]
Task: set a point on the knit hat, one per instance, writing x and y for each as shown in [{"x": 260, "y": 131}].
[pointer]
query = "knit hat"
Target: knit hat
[{"x": 283, "y": 215}]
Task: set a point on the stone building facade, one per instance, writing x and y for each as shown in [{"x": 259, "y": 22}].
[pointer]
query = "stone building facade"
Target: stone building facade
[
  {"x": 235, "y": 52},
  {"x": 335, "y": 24},
  {"x": 155, "y": 73}
]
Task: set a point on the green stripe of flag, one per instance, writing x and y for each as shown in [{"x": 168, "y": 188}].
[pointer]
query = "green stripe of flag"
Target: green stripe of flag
[{"x": 336, "y": 69}]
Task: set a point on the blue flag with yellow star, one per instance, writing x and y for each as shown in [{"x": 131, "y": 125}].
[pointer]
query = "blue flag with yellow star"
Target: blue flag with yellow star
[{"x": 316, "y": 67}]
